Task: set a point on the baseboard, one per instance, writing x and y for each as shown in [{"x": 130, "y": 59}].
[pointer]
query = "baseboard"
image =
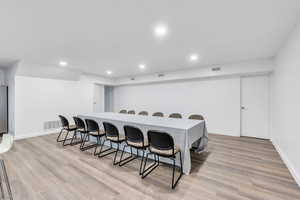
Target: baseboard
[
  {"x": 287, "y": 162},
  {"x": 36, "y": 134}
]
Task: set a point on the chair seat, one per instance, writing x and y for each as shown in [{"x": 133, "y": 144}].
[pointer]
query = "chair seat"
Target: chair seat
[
  {"x": 168, "y": 152},
  {"x": 96, "y": 133},
  {"x": 71, "y": 127},
  {"x": 115, "y": 138},
  {"x": 138, "y": 144},
  {"x": 82, "y": 130}
]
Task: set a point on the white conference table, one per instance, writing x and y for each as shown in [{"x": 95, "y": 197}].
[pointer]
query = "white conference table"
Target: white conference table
[{"x": 184, "y": 131}]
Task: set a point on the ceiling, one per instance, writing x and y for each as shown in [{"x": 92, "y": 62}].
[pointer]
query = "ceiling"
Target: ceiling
[{"x": 99, "y": 35}]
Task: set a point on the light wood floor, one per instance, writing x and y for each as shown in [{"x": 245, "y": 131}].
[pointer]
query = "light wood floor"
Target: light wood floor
[{"x": 233, "y": 168}]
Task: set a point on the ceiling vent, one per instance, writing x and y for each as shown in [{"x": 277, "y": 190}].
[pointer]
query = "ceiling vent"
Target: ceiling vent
[
  {"x": 216, "y": 69},
  {"x": 160, "y": 75}
]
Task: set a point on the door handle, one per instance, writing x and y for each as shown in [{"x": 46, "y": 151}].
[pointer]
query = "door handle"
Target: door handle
[{"x": 243, "y": 108}]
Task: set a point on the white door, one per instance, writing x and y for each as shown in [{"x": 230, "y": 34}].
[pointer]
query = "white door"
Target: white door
[
  {"x": 98, "y": 104},
  {"x": 255, "y": 106}
]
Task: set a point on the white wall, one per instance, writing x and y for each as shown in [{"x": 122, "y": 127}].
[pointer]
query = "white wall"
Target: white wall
[
  {"x": 217, "y": 99},
  {"x": 285, "y": 103},
  {"x": 39, "y": 100},
  {"x": 2, "y": 77}
]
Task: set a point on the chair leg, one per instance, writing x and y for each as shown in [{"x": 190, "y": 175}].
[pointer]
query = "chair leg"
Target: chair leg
[
  {"x": 98, "y": 143},
  {"x": 81, "y": 139},
  {"x": 115, "y": 163},
  {"x": 58, "y": 138},
  {"x": 140, "y": 172},
  {"x": 74, "y": 135},
  {"x": 83, "y": 142},
  {"x": 66, "y": 137},
  {"x": 100, "y": 155},
  {"x": 173, "y": 174},
  {"x": 84, "y": 148},
  {"x": 128, "y": 158},
  {"x": 151, "y": 167}
]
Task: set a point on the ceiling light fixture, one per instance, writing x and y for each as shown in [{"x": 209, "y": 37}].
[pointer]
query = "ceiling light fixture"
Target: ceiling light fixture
[
  {"x": 63, "y": 63},
  {"x": 194, "y": 57},
  {"x": 108, "y": 72},
  {"x": 160, "y": 30},
  {"x": 142, "y": 66}
]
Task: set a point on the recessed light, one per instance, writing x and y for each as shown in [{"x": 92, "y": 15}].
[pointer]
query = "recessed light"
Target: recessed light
[
  {"x": 63, "y": 63},
  {"x": 160, "y": 30},
  {"x": 194, "y": 57},
  {"x": 142, "y": 66},
  {"x": 108, "y": 72}
]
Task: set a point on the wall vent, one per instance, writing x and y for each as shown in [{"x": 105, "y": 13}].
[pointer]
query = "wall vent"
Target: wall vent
[
  {"x": 216, "y": 69},
  {"x": 52, "y": 125}
]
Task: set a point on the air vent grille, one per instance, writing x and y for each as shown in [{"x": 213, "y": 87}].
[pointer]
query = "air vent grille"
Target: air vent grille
[
  {"x": 51, "y": 125},
  {"x": 216, "y": 69}
]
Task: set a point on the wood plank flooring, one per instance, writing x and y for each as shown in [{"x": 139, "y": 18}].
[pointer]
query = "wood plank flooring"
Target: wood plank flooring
[{"x": 233, "y": 168}]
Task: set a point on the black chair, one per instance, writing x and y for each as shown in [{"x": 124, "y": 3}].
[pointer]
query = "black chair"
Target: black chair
[
  {"x": 134, "y": 139},
  {"x": 65, "y": 127},
  {"x": 123, "y": 111},
  {"x": 80, "y": 128},
  {"x": 94, "y": 131},
  {"x": 175, "y": 115},
  {"x": 131, "y": 112},
  {"x": 112, "y": 135},
  {"x": 196, "y": 117},
  {"x": 143, "y": 113},
  {"x": 197, "y": 143},
  {"x": 158, "y": 114},
  {"x": 162, "y": 145}
]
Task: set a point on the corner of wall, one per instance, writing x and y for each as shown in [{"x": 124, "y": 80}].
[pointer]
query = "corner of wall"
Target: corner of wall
[{"x": 286, "y": 161}]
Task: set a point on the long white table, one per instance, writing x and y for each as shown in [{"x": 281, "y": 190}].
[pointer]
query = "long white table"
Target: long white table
[{"x": 184, "y": 131}]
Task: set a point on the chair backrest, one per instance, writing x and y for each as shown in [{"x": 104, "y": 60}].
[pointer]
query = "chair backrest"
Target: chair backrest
[
  {"x": 123, "y": 111},
  {"x": 132, "y": 112},
  {"x": 175, "y": 115},
  {"x": 64, "y": 121},
  {"x": 158, "y": 114},
  {"x": 79, "y": 123},
  {"x": 91, "y": 125},
  {"x": 110, "y": 129},
  {"x": 143, "y": 113},
  {"x": 133, "y": 134},
  {"x": 196, "y": 117},
  {"x": 160, "y": 140}
]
